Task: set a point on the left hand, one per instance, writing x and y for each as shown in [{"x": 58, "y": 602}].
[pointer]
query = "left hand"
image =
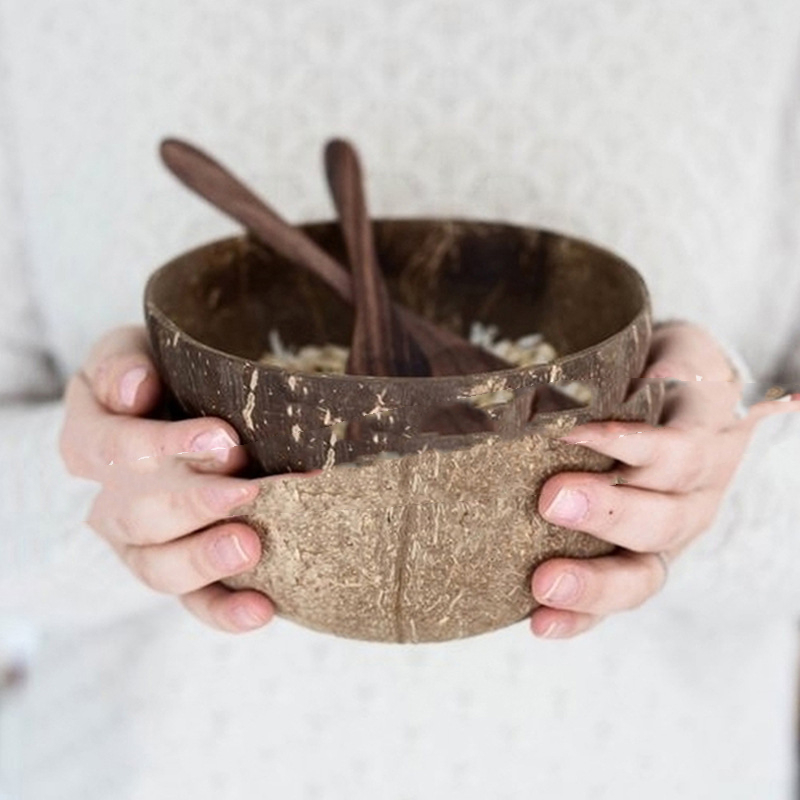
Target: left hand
[{"x": 664, "y": 492}]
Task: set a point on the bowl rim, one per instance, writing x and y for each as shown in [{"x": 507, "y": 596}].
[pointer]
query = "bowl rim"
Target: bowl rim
[{"x": 556, "y": 366}]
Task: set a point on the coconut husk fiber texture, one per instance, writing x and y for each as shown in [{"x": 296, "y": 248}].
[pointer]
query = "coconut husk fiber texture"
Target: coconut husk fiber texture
[{"x": 427, "y": 547}]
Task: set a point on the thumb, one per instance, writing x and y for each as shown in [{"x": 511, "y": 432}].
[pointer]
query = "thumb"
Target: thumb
[
  {"x": 121, "y": 373},
  {"x": 702, "y": 387}
]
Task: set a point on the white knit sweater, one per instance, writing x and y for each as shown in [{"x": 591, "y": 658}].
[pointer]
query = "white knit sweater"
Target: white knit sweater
[{"x": 668, "y": 130}]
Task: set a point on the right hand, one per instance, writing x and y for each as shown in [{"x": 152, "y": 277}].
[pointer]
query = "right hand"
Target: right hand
[{"x": 166, "y": 487}]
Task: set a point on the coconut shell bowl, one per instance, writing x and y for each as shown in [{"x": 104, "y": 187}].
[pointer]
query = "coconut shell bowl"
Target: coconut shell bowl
[{"x": 402, "y": 533}]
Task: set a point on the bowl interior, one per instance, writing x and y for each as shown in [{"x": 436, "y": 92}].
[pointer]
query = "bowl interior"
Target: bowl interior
[{"x": 231, "y": 294}]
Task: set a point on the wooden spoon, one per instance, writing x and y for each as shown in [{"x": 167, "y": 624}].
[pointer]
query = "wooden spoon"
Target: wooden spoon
[
  {"x": 447, "y": 353},
  {"x": 381, "y": 344}
]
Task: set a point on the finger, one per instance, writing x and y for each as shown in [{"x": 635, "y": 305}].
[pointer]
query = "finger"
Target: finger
[
  {"x": 661, "y": 459},
  {"x": 552, "y": 623},
  {"x": 93, "y": 439},
  {"x": 232, "y": 612},
  {"x": 790, "y": 403},
  {"x": 700, "y": 392},
  {"x": 712, "y": 405},
  {"x": 195, "y": 561},
  {"x": 599, "y": 586},
  {"x": 121, "y": 373},
  {"x": 636, "y": 519},
  {"x": 155, "y": 511}
]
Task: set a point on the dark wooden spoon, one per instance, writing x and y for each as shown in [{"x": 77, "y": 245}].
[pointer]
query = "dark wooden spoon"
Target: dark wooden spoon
[
  {"x": 381, "y": 344},
  {"x": 447, "y": 353}
]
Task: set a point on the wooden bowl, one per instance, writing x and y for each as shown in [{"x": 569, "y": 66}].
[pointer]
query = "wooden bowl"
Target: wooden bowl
[{"x": 438, "y": 541}]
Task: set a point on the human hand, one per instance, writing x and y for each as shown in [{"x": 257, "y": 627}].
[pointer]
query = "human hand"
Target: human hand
[
  {"x": 165, "y": 486},
  {"x": 664, "y": 492}
]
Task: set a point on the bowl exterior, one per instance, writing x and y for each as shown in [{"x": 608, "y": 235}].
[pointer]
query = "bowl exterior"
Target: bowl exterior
[
  {"x": 418, "y": 537},
  {"x": 426, "y": 547}
]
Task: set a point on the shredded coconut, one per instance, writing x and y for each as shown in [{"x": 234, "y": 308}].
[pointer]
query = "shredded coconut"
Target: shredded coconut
[
  {"x": 332, "y": 358},
  {"x": 524, "y": 352}
]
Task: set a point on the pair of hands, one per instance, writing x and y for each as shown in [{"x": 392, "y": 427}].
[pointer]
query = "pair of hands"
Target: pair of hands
[{"x": 167, "y": 487}]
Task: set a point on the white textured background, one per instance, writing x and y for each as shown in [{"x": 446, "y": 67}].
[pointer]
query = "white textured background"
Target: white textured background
[{"x": 665, "y": 130}]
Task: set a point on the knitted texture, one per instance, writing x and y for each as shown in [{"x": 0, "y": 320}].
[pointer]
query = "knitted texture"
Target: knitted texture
[{"x": 667, "y": 131}]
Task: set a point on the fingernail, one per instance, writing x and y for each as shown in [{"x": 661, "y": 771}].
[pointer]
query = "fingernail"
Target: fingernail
[
  {"x": 574, "y": 438},
  {"x": 217, "y": 441},
  {"x": 245, "y": 618},
  {"x": 567, "y": 507},
  {"x": 229, "y": 553},
  {"x": 129, "y": 385},
  {"x": 553, "y": 630},
  {"x": 224, "y": 499},
  {"x": 564, "y": 589}
]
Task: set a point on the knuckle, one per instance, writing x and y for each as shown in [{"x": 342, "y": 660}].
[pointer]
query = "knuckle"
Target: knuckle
[
  {"x": 124, "y": 529},
  {"x": 111, "y": 522},
  {"x": 178, "y": 502},
  {"x": 189, "y": 507},
  {"x": 690, "y": 467},
  {"x": 141, "y": 562},
  {"x": 107, "y": 521},
  {"x": 196, "y": 503},
  {"x": 201, "y": 558}
]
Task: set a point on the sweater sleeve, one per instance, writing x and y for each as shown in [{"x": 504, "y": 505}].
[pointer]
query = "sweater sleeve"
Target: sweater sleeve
[{"x": 53, "y": 569}]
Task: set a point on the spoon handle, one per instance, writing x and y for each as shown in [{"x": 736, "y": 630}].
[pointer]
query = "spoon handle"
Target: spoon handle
[
  {"x": 220, "y": 187},
  {"x": 381, "y": 344},
  {"x": 208, "y": 178}
]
